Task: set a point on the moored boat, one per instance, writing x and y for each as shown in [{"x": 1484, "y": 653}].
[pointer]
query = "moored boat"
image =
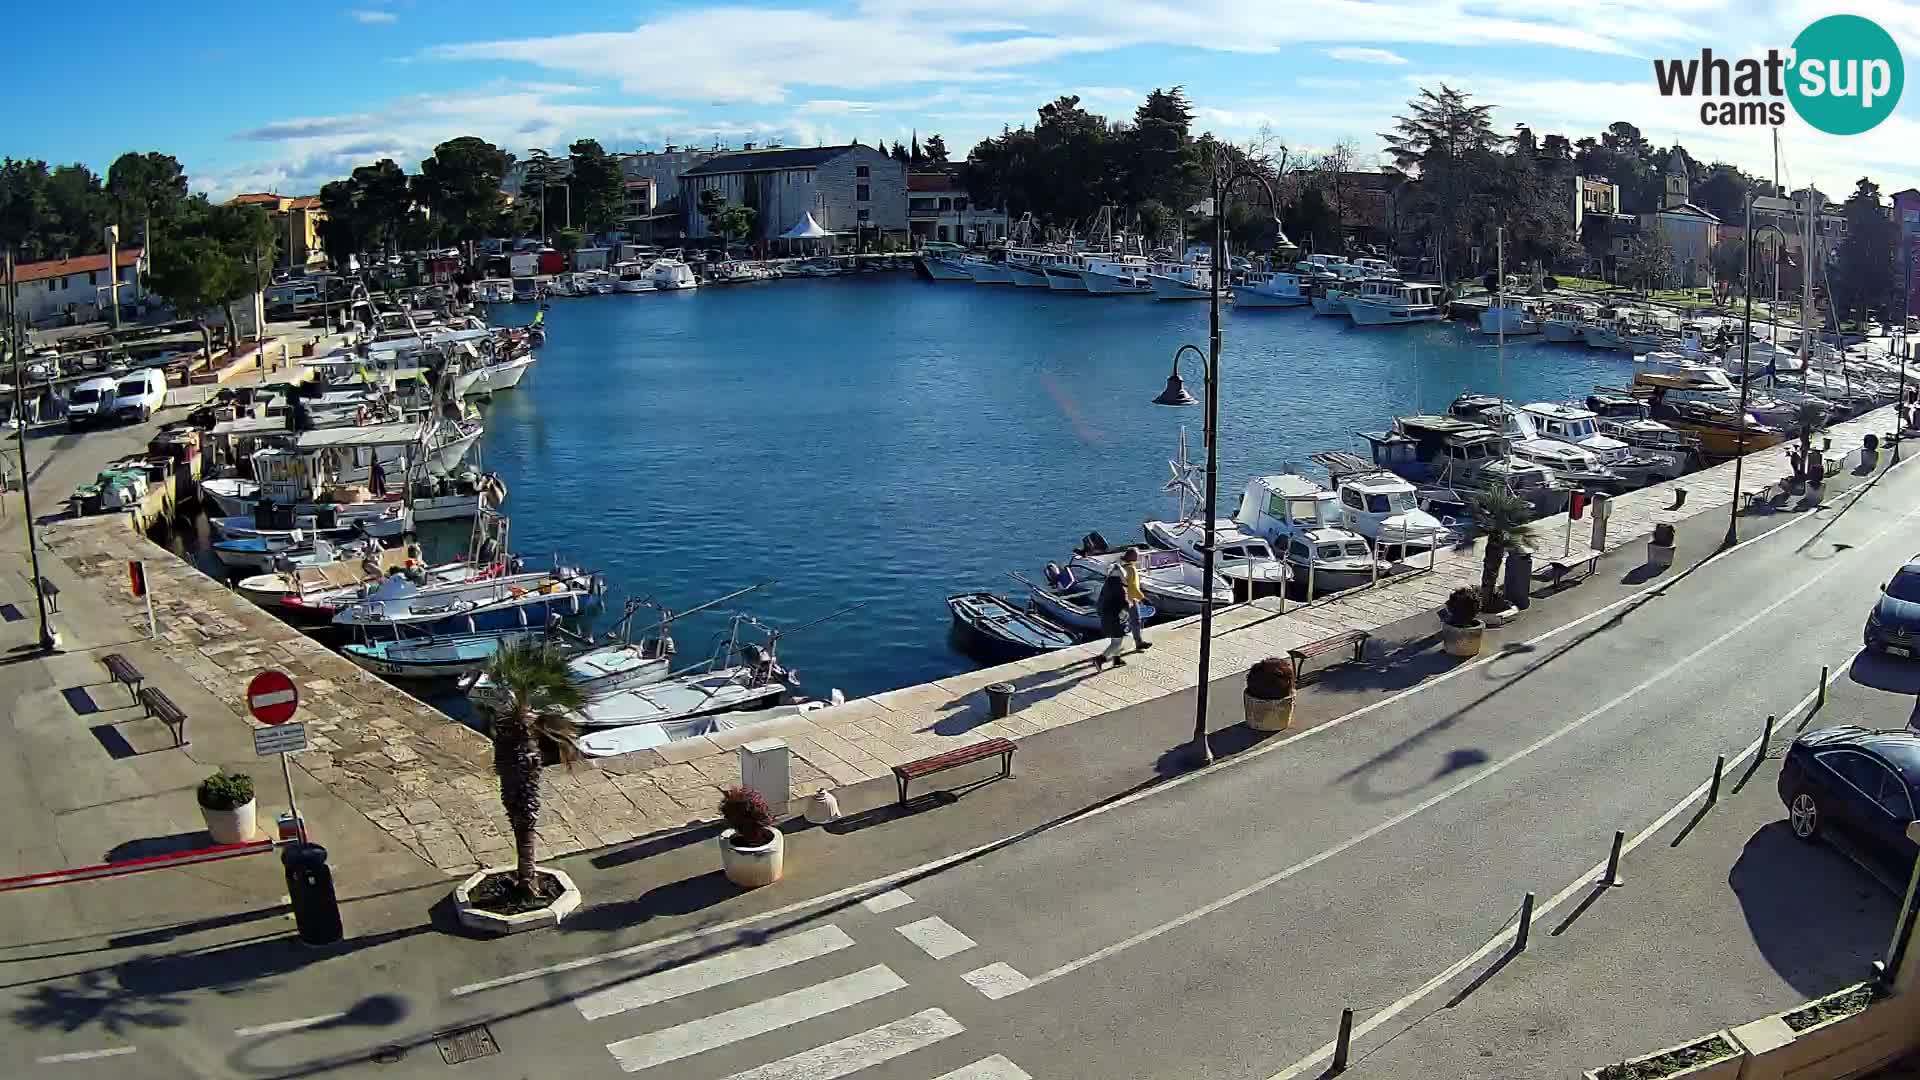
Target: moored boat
[{"x": 993, "y": 629}]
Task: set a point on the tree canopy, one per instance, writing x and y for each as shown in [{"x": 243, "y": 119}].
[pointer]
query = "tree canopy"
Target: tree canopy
[
  {"x": 461, "y": 182},
  {"x": 1863, "y": 278},
  {"x": 599, "y": 190}
]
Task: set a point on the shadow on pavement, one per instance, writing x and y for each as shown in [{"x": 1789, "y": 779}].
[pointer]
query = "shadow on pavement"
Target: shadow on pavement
[
  {"x": 1817, "y": 919},
  {"x": 95, "y": 1000}
]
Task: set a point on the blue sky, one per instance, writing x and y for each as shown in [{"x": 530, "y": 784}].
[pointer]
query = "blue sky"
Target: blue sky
[{"x": 253, "y": 98}]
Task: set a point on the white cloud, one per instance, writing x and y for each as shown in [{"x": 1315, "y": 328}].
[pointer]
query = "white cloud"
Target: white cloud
[
  {"x": 372, "y": 17},
  {"x": 1352, "y": 55}
]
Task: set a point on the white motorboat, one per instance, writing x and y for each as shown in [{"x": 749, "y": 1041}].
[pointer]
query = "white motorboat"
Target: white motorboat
[
  {"x": 671, "y": 274},
  {"x": 1405, "y": 302},
  {"x": 1382, "y": 506},
  {"x": 1121, "y": 275},
  {"x": 1571, "y": 465},
  {"x": 1170, "y": 582},
  {"x": 1064, "y": 273},
  {"x": 1024, "y": 268},
  {"x": 1274, "y": 289},
  {"x": 1245, "y": 560},
  {"x": 1580, "y": 427},
  {"x": 950, "y": 266},
  {"x": 1510, "y": 315},
  {"x": 985, "y": 271},
  {"x": 1563, "y": 322},
  {"x": 1181, "y": 281},
  {"x": 633, "y": 277},
  {"x": 1304, "y": 523}
]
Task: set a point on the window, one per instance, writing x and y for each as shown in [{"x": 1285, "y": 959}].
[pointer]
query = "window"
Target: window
[
  {"x": 946, "y": 204},
  {"x": 1329, "y": 551},
  {"x": 1298, "y": 550},
  {"x": 93, "y": 277},
  {"x": 862, "y": 193},
  {"x": 865, "y": 214},
  {"x": 1352, "y": 498},
  {"x": 862, "y": 171},
  {"x": 1893, "y": 796}
]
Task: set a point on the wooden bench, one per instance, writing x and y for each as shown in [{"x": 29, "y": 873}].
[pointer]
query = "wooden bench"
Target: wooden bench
[
  {"x": 122, "y": 671},
  {"x": 1769, "y": 494},
  {"x": 52, "y": 592},
  {"x": 1300, "y": 655},
  {"x": 161, "y": 706},
  {"x": 952, "y": 759},
  {"x": 1558, "y": 569}
]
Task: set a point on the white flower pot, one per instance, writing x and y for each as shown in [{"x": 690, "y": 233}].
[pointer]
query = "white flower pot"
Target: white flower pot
[
  {"x": 1462, "y": 641},
  {"x": 750, "y": 868},
  {"x": 1264, "y": 714},
  {"x": 1659, "y": 556},
  {"x": 235, "y": 826}
]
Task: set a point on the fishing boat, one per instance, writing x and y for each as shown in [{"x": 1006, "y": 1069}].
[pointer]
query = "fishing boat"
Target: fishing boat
[
  {"x": 670, "y": 275},
  {"x": 1190, "y": 280},
  {"x": 990, "y": 628},
  {"x": 1122, "y": 275},
  {"x": 986, "y": 271},
  {"x": 260, "y": 554},
  {"x": 1272, "y": 289},
  {"x": 1451, "y": 461},
  {"x": 1304, "y": 523},
  {"x": 632, "y": 277},
  {"x": 278, "y": 525},
  {"x": 1404, "y": 302},
  {"x": 398, "y": 606},
  {"x": 1070, "y": 601},
  {"x": 1581, "y": 427},
  {"x": 1174, "y": 585},
  {"x": 1571, "y": 465},
  {"x": 1563, "y": 322},
  {"x": 945, "y": 266},
  {"x": 1381, "y": 506},
  {"x": 431, "y": 658},
  {"x": 1509, "y": 315}
]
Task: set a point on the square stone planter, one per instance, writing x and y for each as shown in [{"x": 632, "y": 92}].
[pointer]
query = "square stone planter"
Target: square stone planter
[
  {"x": 488, "y": 922},
  {"x": 1850, "y": 1044}
]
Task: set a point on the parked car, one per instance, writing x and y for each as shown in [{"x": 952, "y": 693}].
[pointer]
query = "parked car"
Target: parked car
[
  {"x": 1860, "y": 783},
  {"x": 1893, "y": 626},
  {"x": 139, "y": 394},
  {"x": 90, "y": 402}
]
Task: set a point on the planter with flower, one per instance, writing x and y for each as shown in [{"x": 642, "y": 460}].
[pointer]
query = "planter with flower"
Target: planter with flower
[
  {"x": 1269, "y": 698},
  {"x": 752, "y": 851},
  {"x": 226, "y": 805},
  {"x": 1460, "y": 625}
]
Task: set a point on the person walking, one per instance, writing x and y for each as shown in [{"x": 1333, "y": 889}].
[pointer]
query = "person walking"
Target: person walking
[
  {"x": 377, "y": 480},
  {"x": 1113, "y": 609},
  {"x": 1130, "y": 567}
]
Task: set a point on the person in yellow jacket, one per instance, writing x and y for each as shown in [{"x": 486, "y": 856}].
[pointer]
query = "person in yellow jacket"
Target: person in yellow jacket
[{"x": 1130, "y": 567}]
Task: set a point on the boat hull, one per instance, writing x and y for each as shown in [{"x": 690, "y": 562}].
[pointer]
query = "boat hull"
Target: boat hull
[
  {"x": 1365, "y": 314},
  {"x": 1065, "y": 280},
  {"x": 1026, "y": 279},
  {"x": 942, "y": 270},
  {"x": 989, "y": 273},
  {"x": 1258, "y": 298},
  {"x": 1560, "y": 332},
  {"x": 1172, "y": 288},
  {"x": 429, "y": 661},
  {"x": 1101, "y": 284}
]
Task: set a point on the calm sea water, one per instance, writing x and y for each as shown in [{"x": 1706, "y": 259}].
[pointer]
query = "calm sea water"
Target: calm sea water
[{"x": 890, "y": 440}]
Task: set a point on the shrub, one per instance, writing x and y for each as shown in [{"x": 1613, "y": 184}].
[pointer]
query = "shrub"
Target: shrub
[
  {"x": 1463, "y": 606},
  {"x": 1271, "y": 679},
  {"x": 747, "y": 814},
  {"x": 226, "y": 791}
]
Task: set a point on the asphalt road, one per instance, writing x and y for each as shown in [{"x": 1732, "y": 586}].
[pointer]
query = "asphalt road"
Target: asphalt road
[{"x": 1214, "y": 926}]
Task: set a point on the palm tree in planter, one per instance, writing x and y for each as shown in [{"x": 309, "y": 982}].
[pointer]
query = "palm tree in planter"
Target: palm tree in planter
[
  {"x": 1502, "y": 519},
  {"x": 533, "y": 698},
  {"x": 1808, "y": 418}
]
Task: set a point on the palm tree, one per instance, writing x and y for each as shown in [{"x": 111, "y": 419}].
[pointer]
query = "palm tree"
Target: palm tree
[
  {"x": 1808, "y": 418},
  {"x": 535, "y": 696},
  {"x": 1502, "y": 519}
]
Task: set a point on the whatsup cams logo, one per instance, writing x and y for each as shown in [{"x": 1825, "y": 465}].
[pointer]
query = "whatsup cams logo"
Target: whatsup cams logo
[{"x": 1843, "y": 75}]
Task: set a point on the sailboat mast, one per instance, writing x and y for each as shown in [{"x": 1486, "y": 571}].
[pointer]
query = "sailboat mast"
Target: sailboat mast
[{"x": 1500, "y": 320}]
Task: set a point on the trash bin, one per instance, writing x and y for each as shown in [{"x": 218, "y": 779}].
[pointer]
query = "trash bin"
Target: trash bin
[
  {"x": 316, "y": 910},
  {"x": 1000, "y": 700},
  {"x": 1519, "y": 576}
]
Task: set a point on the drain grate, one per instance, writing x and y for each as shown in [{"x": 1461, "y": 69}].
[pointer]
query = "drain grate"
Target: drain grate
[{"x": 466, "y": 1044}]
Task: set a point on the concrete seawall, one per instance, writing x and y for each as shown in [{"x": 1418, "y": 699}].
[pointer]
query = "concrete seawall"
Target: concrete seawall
[{"x": 426, "y": 780}]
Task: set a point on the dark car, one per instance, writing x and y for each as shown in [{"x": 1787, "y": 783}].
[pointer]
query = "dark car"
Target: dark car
[
  {"x": 1893, "y": 626},
  {"x": 1862, "y": 783}
]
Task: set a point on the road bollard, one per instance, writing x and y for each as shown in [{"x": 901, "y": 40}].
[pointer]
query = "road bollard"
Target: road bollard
[
  {"x": 1343, "y": 1046},
  {"x": 1766, "y": 737},
  {"x": 1821, "y": 701},
  {"x": 1719, "y": 767},
  {"x": 1526, "y": 924},
  {"x": 1612, "y": 876}
]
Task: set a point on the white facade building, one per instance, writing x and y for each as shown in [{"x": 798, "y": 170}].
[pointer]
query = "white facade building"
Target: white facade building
[{"x": 80, "y": 289}]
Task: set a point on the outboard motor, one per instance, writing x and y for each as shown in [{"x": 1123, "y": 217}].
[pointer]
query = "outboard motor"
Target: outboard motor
[{"x": 1093, "y": 544}]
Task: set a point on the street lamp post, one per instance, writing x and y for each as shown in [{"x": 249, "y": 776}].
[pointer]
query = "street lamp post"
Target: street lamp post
[
  {"x": 15, "y": 339},
  {"x": 1746, "y": 351},
  {"x": 1226, "y": 174}
]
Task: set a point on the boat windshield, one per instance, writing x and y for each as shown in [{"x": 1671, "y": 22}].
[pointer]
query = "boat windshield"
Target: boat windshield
[
  {"x": 1390, "y": 502},
  {"x": 1357, "y": 547},
  {"x": 1329, "y": 551}
]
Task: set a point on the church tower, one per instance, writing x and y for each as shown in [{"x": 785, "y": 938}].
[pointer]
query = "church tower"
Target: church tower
[{"x": 1679, "y": 188}]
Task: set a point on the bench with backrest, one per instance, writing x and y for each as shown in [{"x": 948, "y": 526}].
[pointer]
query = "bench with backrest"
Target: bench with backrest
[
  {"x": 122, "y": 671},
  {"x": 1356, "y": 639},
  {"x": 953, "y": 759},
  {"x": 161, "y": 707}
]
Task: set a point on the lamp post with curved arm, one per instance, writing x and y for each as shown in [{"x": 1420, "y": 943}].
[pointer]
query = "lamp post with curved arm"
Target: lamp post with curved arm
[
  {"x": 1226, "y": 174},
  {"x": 1746, "y": 350}
]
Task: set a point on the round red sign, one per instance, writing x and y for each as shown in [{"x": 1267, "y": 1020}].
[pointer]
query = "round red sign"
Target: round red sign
[{"x": 271, "y": 697}]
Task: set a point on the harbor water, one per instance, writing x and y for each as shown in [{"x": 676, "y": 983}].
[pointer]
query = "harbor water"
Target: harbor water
[{"x": 889, "y": 440}]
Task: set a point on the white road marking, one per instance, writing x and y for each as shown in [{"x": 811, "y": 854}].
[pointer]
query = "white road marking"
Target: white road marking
[
  {"x": 996, "y": 981},
  {"x": 856, "y": 1052},
  {"x": 1493, "y": 769},
  {"x": 722, "y": 1029},
  {"x": 83, "y": 1055},
  {"x": 886, "y": 901},
  {"x": 713, "y": 971},
  {"x": 936, "y": 937},
  {"x": 1579, "y": 885},
  {"x": 287, "y": 1025},
  {"x": 987, "y": 1068},
  {"x": 871, "y": 889}
]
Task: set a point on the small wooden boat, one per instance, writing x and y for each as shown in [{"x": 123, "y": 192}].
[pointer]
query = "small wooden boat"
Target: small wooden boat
[{"x": 993, "y": 629}]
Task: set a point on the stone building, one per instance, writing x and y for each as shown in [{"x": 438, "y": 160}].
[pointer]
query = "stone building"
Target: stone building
[{"x": 854, "y": 191}]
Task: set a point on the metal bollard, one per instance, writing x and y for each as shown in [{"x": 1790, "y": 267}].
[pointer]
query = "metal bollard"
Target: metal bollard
[
  {"x": 1343, "y": 1046},
  {"x": 1526, "y": 924},
  {"x": 1612, "y": 877},
  {"x": 316, "y": 910},
  {"x": 1821, "y": 701},
  {"x": 1766, "y": 737},
  {"x": 1719, "y": 767}
]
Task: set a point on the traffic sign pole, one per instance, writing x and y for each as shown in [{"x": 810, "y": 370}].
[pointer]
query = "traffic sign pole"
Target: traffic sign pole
[
  {"x": 299, "y": 823},
  {"x": 272, "y": 699}
]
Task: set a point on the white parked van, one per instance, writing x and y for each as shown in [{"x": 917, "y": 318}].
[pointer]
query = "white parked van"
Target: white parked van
[
  {"x": 139, "y": 394},
  {"x": 91, "y": 401}
]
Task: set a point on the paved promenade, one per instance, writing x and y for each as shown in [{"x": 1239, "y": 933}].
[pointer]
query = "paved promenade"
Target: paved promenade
[{"x": 426, "y": 781}]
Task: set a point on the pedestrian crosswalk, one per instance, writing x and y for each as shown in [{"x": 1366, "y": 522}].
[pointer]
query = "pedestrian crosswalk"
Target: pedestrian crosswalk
[{"x": 814, "y": 1004}]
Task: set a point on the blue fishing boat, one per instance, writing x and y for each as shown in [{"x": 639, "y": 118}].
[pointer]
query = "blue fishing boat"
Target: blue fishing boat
[
  {"x": 400, "y": 608},
  {"x": 992, "y": 629},
  {"x": 450, "y": 656}
]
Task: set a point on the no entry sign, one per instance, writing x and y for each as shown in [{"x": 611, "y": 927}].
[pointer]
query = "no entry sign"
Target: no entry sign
[{"x": 271, "y": 697}]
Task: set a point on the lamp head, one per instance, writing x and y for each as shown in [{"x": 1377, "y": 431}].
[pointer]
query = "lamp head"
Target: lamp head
[{"x": 1176, "y": 393}]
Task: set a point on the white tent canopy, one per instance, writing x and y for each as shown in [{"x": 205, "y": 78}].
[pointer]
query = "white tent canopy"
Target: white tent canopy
[{"x": 806, "y": 229}]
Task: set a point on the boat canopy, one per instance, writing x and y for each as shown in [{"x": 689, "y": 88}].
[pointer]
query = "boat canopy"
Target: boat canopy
[{"x": 404, "y": 433}]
